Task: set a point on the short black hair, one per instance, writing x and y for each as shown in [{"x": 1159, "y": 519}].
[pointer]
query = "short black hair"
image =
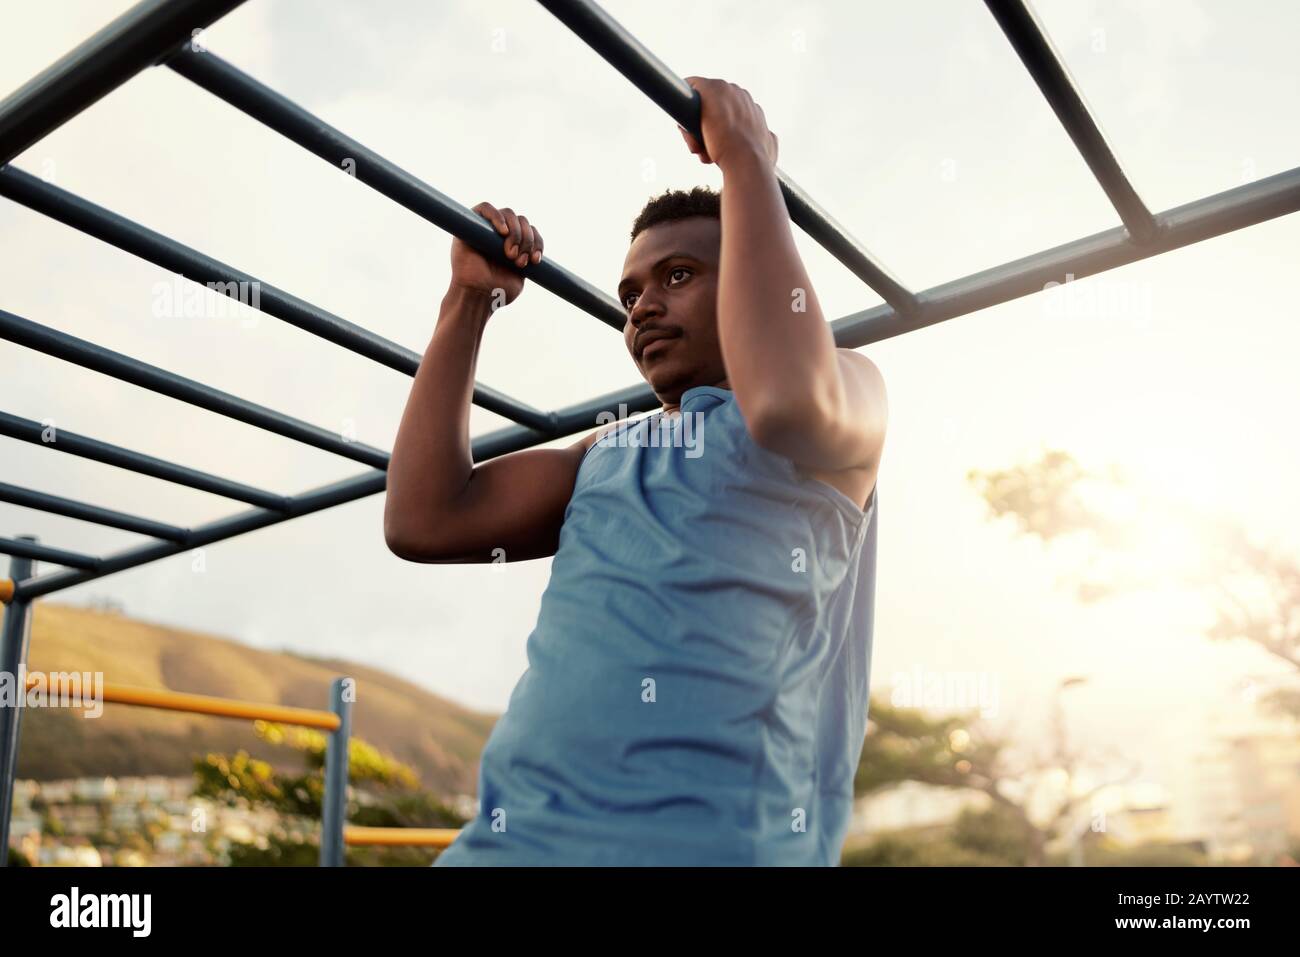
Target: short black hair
[{"x": 675, "y": 204}]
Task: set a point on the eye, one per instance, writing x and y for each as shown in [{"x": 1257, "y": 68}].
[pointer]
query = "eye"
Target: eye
[
  {"x": 675, "y": 270},
  {"x": 629, "y": 301}
]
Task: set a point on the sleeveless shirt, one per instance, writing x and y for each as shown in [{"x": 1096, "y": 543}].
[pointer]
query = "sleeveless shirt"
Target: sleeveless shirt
[{"x": 697, "y": 681}]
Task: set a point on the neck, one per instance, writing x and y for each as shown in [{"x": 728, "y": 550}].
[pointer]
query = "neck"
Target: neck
[{"x": 673, "y": 407}]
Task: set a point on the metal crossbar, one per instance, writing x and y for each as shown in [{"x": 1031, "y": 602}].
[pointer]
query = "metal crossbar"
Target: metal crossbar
[{"x": 158, "y": 32}]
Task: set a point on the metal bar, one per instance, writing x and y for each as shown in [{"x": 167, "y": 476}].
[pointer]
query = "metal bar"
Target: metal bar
[
  {"x": 679, "y": 100},
  {"x": 14, "y": 638},
  {"x": 109, "y": 227},
  {"x": 33, "y": 335},
  {"x": 1205, "y": 218},
  {"x": 166, "y": 700},
  {"x": 30, "y": 498},
  {"x": 64, "y": 441},
  {"x": 1192, "y": 222},
  {"x": 334, "y": 807},
  {"x": 441, "y": 837},
  {"x": 22, "y": 548},
  {"x": 1047, "y": 68},
  {"x": 135, "y": 40},
  {"x": 268, "y": 107},
  {"x": 501, "y": 442}
]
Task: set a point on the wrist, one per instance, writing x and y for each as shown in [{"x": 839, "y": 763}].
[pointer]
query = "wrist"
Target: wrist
[
  {"x": 746, "y": 159},
  {"x": 468, "y": 302}
]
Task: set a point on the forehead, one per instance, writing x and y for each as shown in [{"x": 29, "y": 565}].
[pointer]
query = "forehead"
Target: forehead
[{"x": 697, "y": 236}]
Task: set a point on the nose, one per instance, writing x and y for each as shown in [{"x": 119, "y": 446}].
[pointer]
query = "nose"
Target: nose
[{"x": 646, "y": 306}]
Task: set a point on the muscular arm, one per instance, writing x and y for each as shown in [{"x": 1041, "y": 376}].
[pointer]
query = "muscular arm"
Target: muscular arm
[
  {"x": 820, "y": 406},
  {"x": 440, "y": 507}
]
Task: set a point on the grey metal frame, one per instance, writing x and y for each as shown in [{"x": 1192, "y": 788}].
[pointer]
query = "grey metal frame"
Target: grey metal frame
[{"x": 160, "y": 31}]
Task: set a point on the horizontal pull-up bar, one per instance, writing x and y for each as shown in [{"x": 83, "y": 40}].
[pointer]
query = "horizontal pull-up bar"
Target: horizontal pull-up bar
[
  {"x": 165, "y": 700},
  {"x": 357, "y": 836},
  {"x": 106, "y": 60},
  {"x": 33, "y": 335},
  {"x": 268, "y": 107},
  {"x": 679, "y": 100},
  {"x": 1049, "y": 72},
  {"x": 44, "y": 553},
  {"x": 62, "y": 440},
  {"x": 1212, "y": 216},
  {"x": 1215, "y": 215},
  {"x": 31, "y": 498},
  {"x": 501, "y": 442},
  {"x": 107, "y": 226}
]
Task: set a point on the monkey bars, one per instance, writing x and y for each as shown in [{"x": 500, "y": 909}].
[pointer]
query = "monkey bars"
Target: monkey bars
[{"x": 160, "y": 32}]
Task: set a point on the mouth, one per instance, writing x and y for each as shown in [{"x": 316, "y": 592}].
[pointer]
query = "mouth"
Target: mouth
[{"x": 655, "y": 343}]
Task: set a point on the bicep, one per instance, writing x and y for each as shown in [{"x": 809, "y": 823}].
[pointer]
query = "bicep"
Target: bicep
[
  {"x": 848, "y": 435},
  {"x": 511, "y": 510}
]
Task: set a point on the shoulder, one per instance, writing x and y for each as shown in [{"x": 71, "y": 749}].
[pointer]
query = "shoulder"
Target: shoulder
[{"x": 584, "y": 444}]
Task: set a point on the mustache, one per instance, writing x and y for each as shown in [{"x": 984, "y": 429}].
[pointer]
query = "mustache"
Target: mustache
[{"x": 648, "y": 335}]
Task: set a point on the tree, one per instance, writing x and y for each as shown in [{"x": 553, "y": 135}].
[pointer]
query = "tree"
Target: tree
[
  {"x": 1254, "y": 589},
  {"x": 385, "y": 793},
  {"x": 957, "y": 751}
]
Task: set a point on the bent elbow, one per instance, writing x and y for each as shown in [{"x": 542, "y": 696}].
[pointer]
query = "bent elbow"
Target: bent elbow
[{"x": 402, "y": 540}]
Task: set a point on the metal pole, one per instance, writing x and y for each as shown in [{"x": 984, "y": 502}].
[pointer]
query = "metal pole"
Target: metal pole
[
  {"x": 1047, "y": 68},
  {"x": 90, "y": 355},
  {"x": 625, "y": 53},
  {"x": 135, "y": 40},
  {"x": 334, "y": 811},
  {"x": 287, "y": 118},
  {"x": 13, "y": 652},
  {"x": 107, "y": 226}
]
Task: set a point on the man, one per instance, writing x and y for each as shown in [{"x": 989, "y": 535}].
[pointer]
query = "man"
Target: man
[{"x": 697, "y": 681}]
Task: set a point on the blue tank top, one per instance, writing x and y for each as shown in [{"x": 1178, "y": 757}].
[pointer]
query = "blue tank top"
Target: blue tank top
[{"x": 696, "y": 691}]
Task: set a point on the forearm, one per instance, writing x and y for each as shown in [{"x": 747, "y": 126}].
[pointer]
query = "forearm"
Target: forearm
[
  {"x": 779, "y": 352},
  {"x": 432, "y": 457}
]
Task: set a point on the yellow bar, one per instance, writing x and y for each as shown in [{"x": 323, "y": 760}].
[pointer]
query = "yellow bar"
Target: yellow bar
[
  {"x": 400, "y": 836},
  {"x": 6, "y": 590},
  {"x": 220, "y": 707}
]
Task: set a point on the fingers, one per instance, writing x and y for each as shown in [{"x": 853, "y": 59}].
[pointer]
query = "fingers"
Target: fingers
[
  {"x": 521, "y": 242},
  {"x": 493, "y": 216},
  {"x": 525, "y": 244},
  {"x": 513, "y": 237},
  {"x": 733, "y": 107},
  {"x": 693, "y": 145}
]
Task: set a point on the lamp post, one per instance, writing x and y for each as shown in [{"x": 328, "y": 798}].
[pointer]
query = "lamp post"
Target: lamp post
[{"x": 1076, "y": 846}]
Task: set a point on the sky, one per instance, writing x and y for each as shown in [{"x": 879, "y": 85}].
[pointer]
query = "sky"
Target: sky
[{"x": 915, "y": 125}]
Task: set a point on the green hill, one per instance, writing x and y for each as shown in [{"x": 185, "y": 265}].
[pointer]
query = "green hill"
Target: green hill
[{"x": 441, "y": 740}]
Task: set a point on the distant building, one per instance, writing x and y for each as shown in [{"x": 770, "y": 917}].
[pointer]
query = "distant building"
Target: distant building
[{"x": 1250, "y": 794}]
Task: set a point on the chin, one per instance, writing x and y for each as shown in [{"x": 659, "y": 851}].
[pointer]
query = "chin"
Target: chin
[{"x": 665, "y": 378}]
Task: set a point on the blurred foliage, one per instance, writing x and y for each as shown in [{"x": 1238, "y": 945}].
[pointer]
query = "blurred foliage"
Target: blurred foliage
[
  {"x": 395, "y": 797},
  {"x": 1042, "y": 497},
  {"x": 989, "y": 838},
  {"x": 957, "y": 751},
  {"x": 906, "y": 744},
  {"x": 994, "y": 838},
  {"x": 1255, "y": 588},
  {"x": 1105, "y": 852}
]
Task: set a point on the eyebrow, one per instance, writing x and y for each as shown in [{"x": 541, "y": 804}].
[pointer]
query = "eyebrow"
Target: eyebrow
[{"x": 660, "y": 262}]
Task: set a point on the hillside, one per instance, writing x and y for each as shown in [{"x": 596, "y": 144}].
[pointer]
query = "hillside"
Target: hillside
[{"x": 439, "y": 739}]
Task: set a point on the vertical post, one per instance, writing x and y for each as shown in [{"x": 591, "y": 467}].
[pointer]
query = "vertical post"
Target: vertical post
[
  {"x": 334, "y": 811},
  {"x": 13, "y": 653}
]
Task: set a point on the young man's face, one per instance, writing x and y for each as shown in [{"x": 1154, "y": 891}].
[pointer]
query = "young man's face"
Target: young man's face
[{"x": 670, "y": 290}]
